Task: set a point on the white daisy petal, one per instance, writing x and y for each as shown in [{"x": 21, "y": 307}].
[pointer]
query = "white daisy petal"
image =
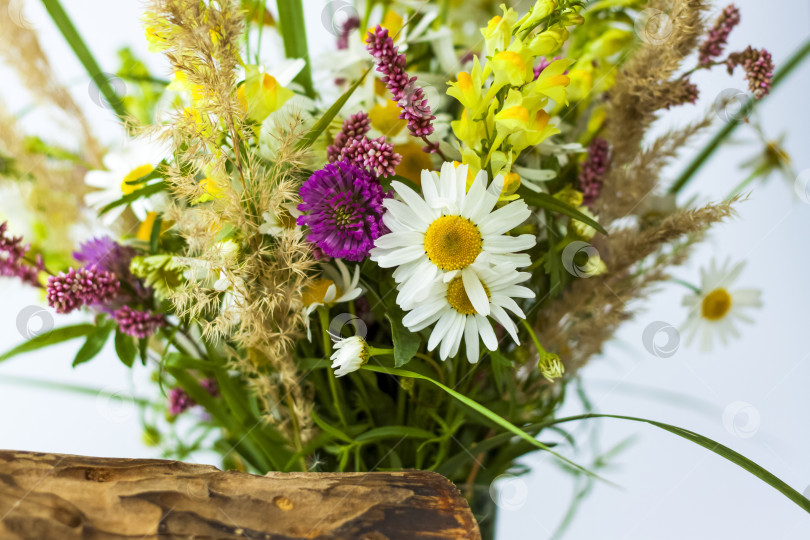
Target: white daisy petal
[
  {"x": 471, "y": 339},
  {"x": 475, "y": 291}
]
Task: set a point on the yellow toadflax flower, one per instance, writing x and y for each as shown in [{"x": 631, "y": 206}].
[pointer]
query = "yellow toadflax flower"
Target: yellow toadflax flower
[{"x": 261, "y": 94}]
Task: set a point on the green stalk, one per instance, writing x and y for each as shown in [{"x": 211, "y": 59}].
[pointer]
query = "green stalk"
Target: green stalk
[
  {"x": 782, "y": 73},
  {"x": 71, "y": 35},
  {"x": 294, "y": 35}
]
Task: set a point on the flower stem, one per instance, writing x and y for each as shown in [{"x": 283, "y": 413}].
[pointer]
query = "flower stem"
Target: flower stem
[
  {"x": 323, "y": 316},
  {"x": 794, "y": 61},
  {"x": 74, "y": 39}
]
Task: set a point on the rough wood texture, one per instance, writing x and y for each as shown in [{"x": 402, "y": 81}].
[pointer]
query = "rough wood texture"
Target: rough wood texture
[{"x": 63, "y": 497}]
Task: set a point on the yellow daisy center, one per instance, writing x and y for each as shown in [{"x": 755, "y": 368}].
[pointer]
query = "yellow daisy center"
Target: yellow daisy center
[
  {"x": 458, "y": 299},
  {"x": 452, "y": 242},
  {"x": 134, "y": 174},
  {"x": 716, "y": 304}
]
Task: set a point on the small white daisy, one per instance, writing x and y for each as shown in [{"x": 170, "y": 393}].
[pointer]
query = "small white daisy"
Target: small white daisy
[
  {"x": 136, "y": 159},
  {"x": 350, "y": 355},
  {"x": 334, "y": 287},
  {"x": 452, "y": 310},
  {"x": 714, "y": 309},
  {"x": 446, "y": 231}
]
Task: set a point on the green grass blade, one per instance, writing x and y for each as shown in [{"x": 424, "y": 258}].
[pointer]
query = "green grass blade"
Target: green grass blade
[
  {"x": 544, "y": 200},
  {"x": 483, "y": 411},
  {"x": 294, "y": 35},
  {"x": 324, "y": 121},
  {"x": 52, "y": 337},
  {"x": 74, "y": 39},
  {"x": 719, "y": 449}
]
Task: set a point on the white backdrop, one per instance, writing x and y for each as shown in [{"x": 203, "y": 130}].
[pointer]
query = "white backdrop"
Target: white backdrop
[{"x": 750, "y": 395}]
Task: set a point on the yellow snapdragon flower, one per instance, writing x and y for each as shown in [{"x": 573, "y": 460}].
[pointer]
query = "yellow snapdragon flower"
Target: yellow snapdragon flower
[{"x": 261, "y": 94}]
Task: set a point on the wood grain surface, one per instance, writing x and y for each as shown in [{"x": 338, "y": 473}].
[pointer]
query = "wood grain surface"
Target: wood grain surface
[{"x": 64, "y": 497}]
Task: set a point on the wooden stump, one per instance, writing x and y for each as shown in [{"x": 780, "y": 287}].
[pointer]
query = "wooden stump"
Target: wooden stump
[{"x": 63, "y": 497}]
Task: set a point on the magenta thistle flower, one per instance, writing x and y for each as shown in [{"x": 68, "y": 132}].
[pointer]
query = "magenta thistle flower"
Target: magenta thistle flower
[
  {"x": 717, "y": 39},
  {"x": 343, "y": 210},
  {"x": 410, "y": 98},
  {"x": 12, "y": 258},
  {"x": 592, "y": 174},
  {"x": 77, "y": 288},
  {"x": 138, "y": 324}
]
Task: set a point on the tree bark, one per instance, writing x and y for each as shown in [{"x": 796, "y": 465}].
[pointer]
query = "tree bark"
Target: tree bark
[{"x": 64, "y": 497}]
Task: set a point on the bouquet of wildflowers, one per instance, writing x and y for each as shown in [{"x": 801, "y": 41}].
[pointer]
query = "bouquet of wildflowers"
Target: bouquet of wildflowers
[{"x": 401, "y": 266}]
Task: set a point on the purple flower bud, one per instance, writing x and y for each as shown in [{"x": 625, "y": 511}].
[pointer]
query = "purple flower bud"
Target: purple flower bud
[
  {"x": 138, "y": 324},
  {"x": 84, "y": 287}
]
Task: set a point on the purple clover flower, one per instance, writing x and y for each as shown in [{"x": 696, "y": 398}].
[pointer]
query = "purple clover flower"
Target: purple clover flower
[
  {"x": 343, "y": 210},
  {"x": 138, "y": 324},
  {"x": 77, "y": 288}
]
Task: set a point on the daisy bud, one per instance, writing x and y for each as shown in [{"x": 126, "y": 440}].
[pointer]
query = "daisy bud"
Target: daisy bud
[
  {"x": 350, "y": 355},
  {"x": 550, "y": 366}
]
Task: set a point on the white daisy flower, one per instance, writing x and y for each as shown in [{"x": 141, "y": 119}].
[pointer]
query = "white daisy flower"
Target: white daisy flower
[
  {"x": 455, "y": 316},
  {"x": 714, "y": 309},
  {"x": 443, "y": 233},
  {"x": 335, "y": 287},
  {"x": 136, "y": 159},
  {"x": 350, "y": 355},
  {"x": 275, "y": 224}
]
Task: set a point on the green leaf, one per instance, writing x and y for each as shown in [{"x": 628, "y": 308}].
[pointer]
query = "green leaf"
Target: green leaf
[
  {"x": 485, "y": 412},
  {"x": 52, "y": 337},
  {"x": 394, "y": 432},
  {"x": 145, "y": 191},
  {"x": 331, "y": 430},
  {"x": 125, "y": 348},
  {"x": 71, "y": 35},
  {"x": 406, "y": 343},
  {"x": 719, "y": 449},
  {"x": 93, "y": 345},
  {"x": 324, "y": 121},
  {"x": 544, "y": 200},
  {"x": 294, "y": 35}
]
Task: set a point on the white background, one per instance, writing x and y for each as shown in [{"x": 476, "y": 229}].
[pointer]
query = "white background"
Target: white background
[{"x": 670, "y": 488}]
